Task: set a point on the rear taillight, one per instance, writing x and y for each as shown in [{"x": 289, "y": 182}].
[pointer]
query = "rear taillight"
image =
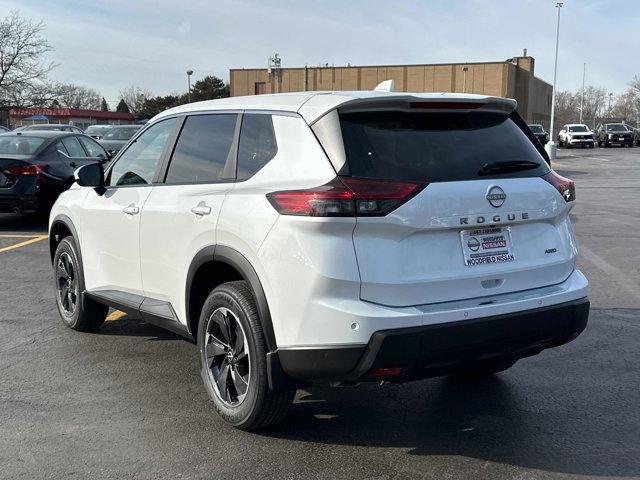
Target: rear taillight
[
  {"x": 565, "y": 186},
  {"x": 26, "y": 170},
  {"x": 345, "y": 197}
]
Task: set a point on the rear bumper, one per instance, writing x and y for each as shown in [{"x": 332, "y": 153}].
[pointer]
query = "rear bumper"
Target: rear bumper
[
  {"x": 439, "y": 349},
  {"x": 21, "y": 198}
]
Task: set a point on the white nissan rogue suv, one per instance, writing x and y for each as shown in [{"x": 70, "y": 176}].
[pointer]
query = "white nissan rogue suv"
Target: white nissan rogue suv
[{"x": 339, "y": 237}]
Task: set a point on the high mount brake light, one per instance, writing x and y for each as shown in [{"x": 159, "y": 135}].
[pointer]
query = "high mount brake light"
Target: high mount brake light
[
  {"x": 447, "y": 105},
  {"x": 565, "y": 186},
  {"x": 345, "y": 197}
]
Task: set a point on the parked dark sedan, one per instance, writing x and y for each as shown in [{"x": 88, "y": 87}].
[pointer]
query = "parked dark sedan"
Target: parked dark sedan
[
  {"x": 539, "y": 132},
  {"x": 35, "y": 166},
  {"x": 614, "y": 134},
  {"x": 117, "y": 137}
]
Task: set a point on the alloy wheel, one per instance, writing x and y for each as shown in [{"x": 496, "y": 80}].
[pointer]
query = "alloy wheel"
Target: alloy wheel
[
  {"x": 67, "y": 281},
  {"x": 226, "y": 354}
]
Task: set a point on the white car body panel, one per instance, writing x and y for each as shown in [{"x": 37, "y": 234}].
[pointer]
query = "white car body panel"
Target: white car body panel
[
  {"x": 423, "y": 261},
  {"x": 165, "y": 251},
  {"x": 110, "y": 240}
]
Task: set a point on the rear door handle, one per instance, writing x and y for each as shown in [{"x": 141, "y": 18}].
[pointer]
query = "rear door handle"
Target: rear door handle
[
  {"x": 201, "y": 209},
  {"x": 131, "y": 210}
]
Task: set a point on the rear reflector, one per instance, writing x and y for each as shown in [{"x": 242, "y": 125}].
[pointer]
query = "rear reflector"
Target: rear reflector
[
  {"x": 565, "y": 186},
  {"x": 345, "y": 197},
  {"x": 385, "y": 372}
]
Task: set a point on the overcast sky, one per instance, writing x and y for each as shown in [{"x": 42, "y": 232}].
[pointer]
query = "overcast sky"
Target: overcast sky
[{"x": 151, "y": 43}]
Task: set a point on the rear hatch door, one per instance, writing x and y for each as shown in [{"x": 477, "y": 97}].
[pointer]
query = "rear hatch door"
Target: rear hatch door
[{"x": 485, "y": 222}]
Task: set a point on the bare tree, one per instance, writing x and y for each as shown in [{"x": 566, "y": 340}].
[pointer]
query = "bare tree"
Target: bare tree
[
  {"x": 627, "y": 106},
  {"x": 69, "y": 95},
  {"x": 135, "y": 97},
  {"x": 635, "y": 84},
  {"x": 568, "y": 106},
  {"x": 23, "y": 71}
]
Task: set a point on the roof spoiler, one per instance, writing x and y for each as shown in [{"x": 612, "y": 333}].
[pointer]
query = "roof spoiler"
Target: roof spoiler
[{"x": 433, "y": 104}]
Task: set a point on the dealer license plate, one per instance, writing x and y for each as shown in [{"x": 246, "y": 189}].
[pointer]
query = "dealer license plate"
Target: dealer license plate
[{"x": 486, "y": 245}]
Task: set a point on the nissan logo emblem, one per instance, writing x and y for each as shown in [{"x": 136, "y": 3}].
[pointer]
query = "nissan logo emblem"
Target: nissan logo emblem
[
  {"x": 496, "y": 196},
  {"x": 473, "y": 244}
]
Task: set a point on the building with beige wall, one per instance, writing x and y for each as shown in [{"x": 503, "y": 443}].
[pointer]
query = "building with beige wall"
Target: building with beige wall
[{"x": 513, "y": 78}]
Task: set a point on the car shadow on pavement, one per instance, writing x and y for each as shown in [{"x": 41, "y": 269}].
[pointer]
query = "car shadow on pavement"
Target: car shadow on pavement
[
  {"x": 24, "y": 223},
  {"x": 132, "y": 327},
  {"x": 486, "y": 419}
]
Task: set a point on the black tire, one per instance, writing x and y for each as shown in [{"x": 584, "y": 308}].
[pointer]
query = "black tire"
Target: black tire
[
  {"x": 259, "y": 407},
  {"x": 76, "y": 310},
  {"x": 486, "y": 367}
]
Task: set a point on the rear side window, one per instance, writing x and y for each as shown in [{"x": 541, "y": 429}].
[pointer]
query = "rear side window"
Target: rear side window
[
  {"x": 257, "y": 144},
  {"x": 93, "y": 148},
  {"x": 73, "y": 147},
  {"x": 202, "y": 149},
  {"x": 437, "y": 147}
]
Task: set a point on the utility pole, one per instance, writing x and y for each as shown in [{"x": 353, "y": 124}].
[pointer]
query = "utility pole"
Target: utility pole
[
  {"x": 610, "y": 100},
  {"x": 551, "y": 146},
  {"x": 464, "y": 79},
  {"x": 584, "y": 71},
  {"x": 189, "y": 73}
]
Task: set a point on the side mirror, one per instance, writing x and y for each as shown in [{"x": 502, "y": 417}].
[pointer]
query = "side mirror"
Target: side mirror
[{"x": 91, "y": 175}]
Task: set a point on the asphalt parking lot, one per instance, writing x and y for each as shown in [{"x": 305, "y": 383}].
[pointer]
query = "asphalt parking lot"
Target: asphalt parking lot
[{"x": 128, "y": 401}]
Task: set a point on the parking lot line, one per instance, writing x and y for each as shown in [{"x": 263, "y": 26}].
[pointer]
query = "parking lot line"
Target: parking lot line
[
  {"x": 19, "y": 235},
  {"x": 23, "y": 244}
]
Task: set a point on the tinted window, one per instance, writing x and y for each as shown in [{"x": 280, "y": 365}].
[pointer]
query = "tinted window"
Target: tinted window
[
  {"x": 137, "y": 164},
  {"x": 436, "y": 147},
  {"x": 120, "y": 133},
  {"x": 202, "y": 149},
  {"x": 257, "y": 144},
  {"x": 615, "y": 127},
  {"x": 15, "y": 144},
  {"x": 73, "y": 147},
  {"x": 61, "y": 148},
  {"x": 93, "y": 148},
  {"x": 536, "y": 128},
  {"x": 578, "y": 128}
]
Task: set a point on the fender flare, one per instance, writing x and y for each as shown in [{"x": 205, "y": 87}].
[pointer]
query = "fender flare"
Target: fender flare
[
  {"x": 233, "y": 258},
  {"x": 67, "y": 222}
]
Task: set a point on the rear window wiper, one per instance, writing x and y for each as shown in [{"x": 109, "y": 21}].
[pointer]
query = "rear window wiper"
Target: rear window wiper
[{"x": 498, "y": 168}]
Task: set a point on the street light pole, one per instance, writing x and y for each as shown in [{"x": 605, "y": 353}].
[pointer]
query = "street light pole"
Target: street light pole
[
  {"x": 464, "y": 79},
  {"x": 551, "y": 146},
  {"x": 584, "y": 71},
  {"x": 189, "y": 73}
]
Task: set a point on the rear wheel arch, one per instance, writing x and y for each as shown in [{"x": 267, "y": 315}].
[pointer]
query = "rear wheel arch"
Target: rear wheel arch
[{"x": 213, "y": 266}]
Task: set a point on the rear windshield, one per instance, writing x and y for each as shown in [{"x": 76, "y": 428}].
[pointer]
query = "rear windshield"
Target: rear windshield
[
  {"x": 437, "y": 147},
  {"x": 536, "y": 128},
  {"x": 97, "y": 128},
  {"x": 19, "y": 145}
]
